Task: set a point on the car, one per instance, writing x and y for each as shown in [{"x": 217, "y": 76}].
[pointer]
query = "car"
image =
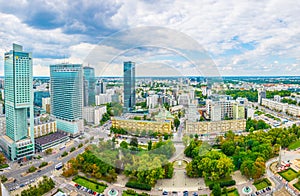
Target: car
[
  {"x": 195, "y": 194},
  {"x": 185, "y": 193},
  {"x": 22, "y": 185},
  {"x": 39, "y": 170},
  {"x": 174, "y": 193},
  {"x": 165, "y": 193}
]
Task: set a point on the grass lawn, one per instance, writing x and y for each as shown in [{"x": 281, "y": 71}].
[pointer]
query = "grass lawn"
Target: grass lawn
[
  {"x": 294, "y": 145},
  {"x": 231, "y": 193},
  {"x": 261, "y": 185},
  {"x": 90, "y": 185},
  {"x": 297, "y": 185},
  {"x": 288, "y": 174}
]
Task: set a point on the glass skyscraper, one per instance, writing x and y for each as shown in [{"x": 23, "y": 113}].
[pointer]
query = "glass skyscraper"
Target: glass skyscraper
[
  {"x": 18, "y": 143},
  {"x": 89, "y": 86},
  {"x": 66, "y": 82},
  {"x": 129, "y": 85}
]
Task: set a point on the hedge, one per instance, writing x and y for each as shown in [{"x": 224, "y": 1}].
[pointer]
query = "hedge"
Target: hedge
[
  {"x": 89, "y": 179},
  {"x": 223, "y": 184},
  {"x": 261, "y": 180},
  {"x": 137, "y": 185},
  {"x": 133, "y": 192}
]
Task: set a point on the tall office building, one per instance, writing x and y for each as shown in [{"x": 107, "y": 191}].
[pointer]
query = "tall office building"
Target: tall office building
[
  {"x": 129, "y": 86},
  {"x": 67, "y": 97},
  {"x": 89, "y": 86},
  {"x": 261, "y": 95},
  {"x": 18, "y": 142}
]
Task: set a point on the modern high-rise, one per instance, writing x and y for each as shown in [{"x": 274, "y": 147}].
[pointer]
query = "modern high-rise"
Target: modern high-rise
[
  {"x": 89, "y": 86},
  {"x": 18, "y": 142},
  {"x": 67, "y": 97},
  {"x": 129, "y": 86}
]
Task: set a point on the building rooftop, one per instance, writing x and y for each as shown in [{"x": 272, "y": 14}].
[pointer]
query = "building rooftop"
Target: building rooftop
[{"x": 50, "y": 138}]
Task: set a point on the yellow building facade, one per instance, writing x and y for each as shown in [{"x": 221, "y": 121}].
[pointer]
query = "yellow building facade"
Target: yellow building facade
[
  {"x": 140, "y": 125},
  {"x": 205, "y": 127},
  {"x": 44, "y": 128}
]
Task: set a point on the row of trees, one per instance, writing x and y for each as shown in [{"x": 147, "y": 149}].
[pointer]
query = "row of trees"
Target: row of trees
[
  {"x": 213, "y": 165},
  {"x": 252, "y": 125},
  {"x": 148, "y": 168},
  {"x": 290, "y": 101},
  {"x": 252, "y": 95},
  {"x": 142, "y": 165},
  {"x": 245, "y": 153},
  {"x": 43, "y": 187},
  {"x": 94, "y": 163}
]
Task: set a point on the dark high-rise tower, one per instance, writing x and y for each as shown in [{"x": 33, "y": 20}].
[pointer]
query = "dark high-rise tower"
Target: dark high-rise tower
[
  {"x": 89, "y": 86},
  {"x": 129, "y": 85}
]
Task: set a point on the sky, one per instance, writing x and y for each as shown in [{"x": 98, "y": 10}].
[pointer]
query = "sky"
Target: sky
[{"x": 171, "y": 37}]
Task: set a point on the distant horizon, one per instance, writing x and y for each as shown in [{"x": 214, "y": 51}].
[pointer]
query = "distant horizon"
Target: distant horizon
[{"x": 227, "y": 76}]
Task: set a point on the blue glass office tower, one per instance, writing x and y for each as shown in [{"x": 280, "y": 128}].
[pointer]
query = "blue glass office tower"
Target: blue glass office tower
[
  {"x": 89, "y": 86},
  {"x": 66, "y": 82},
  {"x": 129, "y": 86},
  {"x": 18, "y": 143},
  {"x": 38, "y": 96}
]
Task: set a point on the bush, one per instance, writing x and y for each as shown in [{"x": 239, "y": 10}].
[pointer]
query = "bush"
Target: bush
[
  {"x": 80, "y": 145},
  {"x": 261, "y": 180},
  {"x": 64, "y": 154},
  {"x": 224, "y": 184},
  {"x": 137, "y": 185},
  {"x": 32, "y": 169},
  {"x": 3, "y": 178},
  {"x": 133, "y": 192},
  {"x": 4, "y": 166},
  {"x": 72, "y": 149},
  {"x": 43, "y": 164}
]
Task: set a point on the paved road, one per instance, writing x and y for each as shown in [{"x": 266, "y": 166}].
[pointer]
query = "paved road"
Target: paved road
[{"x": 278, "y": 183}]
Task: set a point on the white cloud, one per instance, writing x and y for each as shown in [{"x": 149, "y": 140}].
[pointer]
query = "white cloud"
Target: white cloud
[{"x": 223, "y": 28}]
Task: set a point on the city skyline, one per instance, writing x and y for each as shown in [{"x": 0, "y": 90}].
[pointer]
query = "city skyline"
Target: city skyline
[{"x": 257, "y": 38}]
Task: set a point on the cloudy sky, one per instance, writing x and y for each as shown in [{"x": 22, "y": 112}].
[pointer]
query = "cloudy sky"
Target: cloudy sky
[{"x": 196, "y": 37}]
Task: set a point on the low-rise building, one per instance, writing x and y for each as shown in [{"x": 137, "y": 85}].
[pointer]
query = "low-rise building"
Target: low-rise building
[
  {"x": 93, "y": 115},
  {"x": 293, "y": 110},
  {"x": 44, "y": 128},
  {"x": 103, "y": 99},
  {"x": 141, "y": 125},
  {"x": 52, "y": 140},
  {"x": 289, "y": 109},
  {"x": 46, "y": 104},
  {"x": 205, "y": 127}
]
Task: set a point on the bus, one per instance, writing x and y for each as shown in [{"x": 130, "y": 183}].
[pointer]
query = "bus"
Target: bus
[
  {"x": 58, "y": 166},
  {"x": 62, "y": 147}
]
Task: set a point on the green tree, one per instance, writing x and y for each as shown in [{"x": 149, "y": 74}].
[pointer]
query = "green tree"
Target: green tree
[
  {"x": 228, "y": 148},
  {"x": 2, "y": 159},
  {"x": 134, "y": 142},
  {"x": 176, "y": 123},
  {"x": 124, "y": 145},
  {"x": 48, "y": 151},
  {"x": 217, "y": 190},
  {"x": 149, "y": 145},
  {"x": 166, "y": 136},
  {"x": 32, "y": 169}
]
